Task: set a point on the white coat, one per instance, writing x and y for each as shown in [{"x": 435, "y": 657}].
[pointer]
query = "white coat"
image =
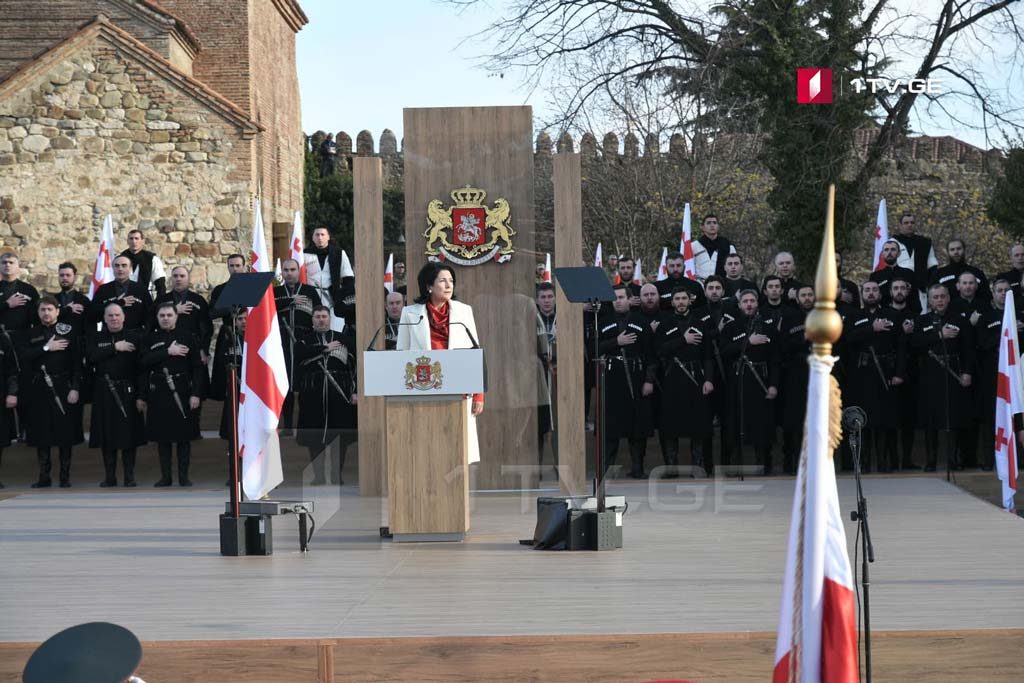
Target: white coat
[{"x": 416, "y": 336}]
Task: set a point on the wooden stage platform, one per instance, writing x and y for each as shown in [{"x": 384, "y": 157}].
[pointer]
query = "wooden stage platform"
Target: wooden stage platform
[{"x": 693, "y": 595}]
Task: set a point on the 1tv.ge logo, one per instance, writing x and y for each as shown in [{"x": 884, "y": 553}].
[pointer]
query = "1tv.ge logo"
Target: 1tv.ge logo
[{"x": 814, "y": 85}]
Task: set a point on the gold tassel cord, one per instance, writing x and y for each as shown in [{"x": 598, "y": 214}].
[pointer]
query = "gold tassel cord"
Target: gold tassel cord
[{"x": 835, "y": 414}]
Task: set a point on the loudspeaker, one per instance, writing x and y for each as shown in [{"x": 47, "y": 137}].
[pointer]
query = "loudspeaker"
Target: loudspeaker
[
  {"x": 259, "y": 535},
  {"x": 232, "y": 536}
]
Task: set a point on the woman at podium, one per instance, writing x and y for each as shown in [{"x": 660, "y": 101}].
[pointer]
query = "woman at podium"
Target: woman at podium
[{"x": 436, "y": 321}]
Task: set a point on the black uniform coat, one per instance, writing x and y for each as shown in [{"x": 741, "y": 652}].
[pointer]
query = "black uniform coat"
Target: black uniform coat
[
  {"x": 197, "y": 322},
  {"x": 323, "y": 410},
  {"x": 115, "y": 371},
  {"x": 884, "y": 278},
  {"x": 136, "y": 316},
  {"x": 793, "y": 351},
  {"x": 80, "y": 324},
  {"x": 937, "y": 382},
  {"x": 294, "y": 320},
  {"x": 758, "y": 421},
  {"x": 988, "y": 332},
  {"x": 665, "y": 287},
  {"x": 164, "y": 422},
  {"x": 628, "y": 413},
  {"x": 875, "y": 358},
  {"x": 143, "y": 261},
  {"x": 683, "y": 368},
  {"x": 47, "y": 425},
  {"x": 9, "y": 381},
  {"x": 20, "y": 317},
  {"x": 950, "y": 273},
  {"x": 713, "y": 317},
  {"x": 220, "y": 384}
]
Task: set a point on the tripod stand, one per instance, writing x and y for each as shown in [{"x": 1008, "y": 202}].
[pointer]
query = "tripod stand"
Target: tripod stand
[{"x": 854, "y": 420}]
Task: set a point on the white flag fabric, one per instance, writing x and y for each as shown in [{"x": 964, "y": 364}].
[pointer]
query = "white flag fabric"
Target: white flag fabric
[
  {"x": 881, "y": 234},
  {"x": 686, "y": 246},
  {"x": 546, "y": 277},
  {"x": 258, "y": 255},
  {"x": 264, "y": 386},
  {"x": 817, "y": 635},
  {"x": 389, "y": 274},
  {"x": 296, "y": 249},
  {"x": 278, "y": 277},
  {"x": 1009, "y": 402},
  {"x": 598, "y": 260},
  {"x": 346, "y": 266},
  {"x": 103, "y": 271},
  {"x": 638, "y": 276},
  {"x": 663, "y": 268}
]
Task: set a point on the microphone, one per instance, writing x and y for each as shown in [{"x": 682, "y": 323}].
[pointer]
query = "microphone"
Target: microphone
[
  {"x": 376, "y": 334},
  {"x": 470, "y": 334},
  {"x": 854, "y": 418}
]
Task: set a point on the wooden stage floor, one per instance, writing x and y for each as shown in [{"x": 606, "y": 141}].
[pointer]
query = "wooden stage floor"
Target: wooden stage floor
[{"x": 699, "y": 578}]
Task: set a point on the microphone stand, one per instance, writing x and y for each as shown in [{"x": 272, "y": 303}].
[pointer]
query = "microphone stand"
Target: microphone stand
[
  {"x": 945, "y": 407},
  {"x": 233, "y": 369},
  {"x": 599, "y": 489},
  {"x": 860, "y": 515}
]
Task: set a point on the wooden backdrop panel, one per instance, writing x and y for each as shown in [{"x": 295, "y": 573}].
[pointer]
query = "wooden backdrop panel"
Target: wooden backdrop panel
[
  {"x": 571, "y": 431},
  {"x": 368, "y": 210},
  {"x": 490, "y": 148}
]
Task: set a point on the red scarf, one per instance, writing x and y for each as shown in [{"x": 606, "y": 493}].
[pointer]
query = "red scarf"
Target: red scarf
[{"x": 438, "y": 319}]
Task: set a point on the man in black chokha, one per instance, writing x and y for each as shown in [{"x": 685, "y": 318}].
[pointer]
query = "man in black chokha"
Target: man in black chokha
[
  {"x": 793, "y": 351},
  {"x": 52, "y": 360},
  {"x": 116, "y": 423},
  {"x": 295, "y": 317},
  {"x": 326, "y": 374},
  {"x": 751, "y": 353},
  {"x": 686, "y": 368},
  {"x": 175, "y": 379},
  {"x": 624, "y": 340},
  {"x": 9, "y": 380},
  {"x": 229, "y": 352}
]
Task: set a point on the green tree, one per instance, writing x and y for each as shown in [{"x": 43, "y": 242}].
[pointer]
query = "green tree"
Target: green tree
[{"x": 1006, "y": 207}]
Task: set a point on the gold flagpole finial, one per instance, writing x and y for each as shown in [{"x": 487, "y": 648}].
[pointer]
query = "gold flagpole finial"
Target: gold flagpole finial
[{"x": 824, "y": 325}]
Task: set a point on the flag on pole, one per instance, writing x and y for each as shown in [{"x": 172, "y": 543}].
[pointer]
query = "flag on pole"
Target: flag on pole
[
  {"x": 346, "y": 266},
  {"x": 598, "y": 261},
  {"x": 546, "y": 276},
  {"x": 881, "y": 234},
  {"x": 389, "y": 274},
  {"x": 258, "y": 255},
  {"x": 103, "y": 271},
  {"x": 817, "y": 635},
  {"x": 663, "y": 268},
  {"x": 1009, "y": 402},
  {"x": 264, "y": 386},
  {"x": 686, "y": 246},
  {"x": 638, "y": 276},
  {"x": 278, "y": 278},
  {"x": 298, "y": 252}
]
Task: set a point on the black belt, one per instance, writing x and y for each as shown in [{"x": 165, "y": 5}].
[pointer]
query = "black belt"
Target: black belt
[
  {"x": 759, "y": 365},
  {"x": 864, "y": 359}
]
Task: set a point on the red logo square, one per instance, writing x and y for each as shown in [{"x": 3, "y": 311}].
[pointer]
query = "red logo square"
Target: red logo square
[
  {"x": 814, "y": 86},
  {"x": 469, "y": 226}
]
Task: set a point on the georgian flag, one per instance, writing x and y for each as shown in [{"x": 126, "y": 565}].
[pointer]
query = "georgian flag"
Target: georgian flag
[
  {"x": 389, "y": 274},
  {"x": 881, "y": 234},
  {"x": 258, "y": 254},
  {"x": 1009, "y": 402},
  {"x": 817, "y": 635},
  {"x": 264, "y": 387},
  {"x": 663, "y": 268},
  {"x": 598, "y": 260},
  {"x": 103, "y": 271},
  {"x": 278, "y": 277},
  {"x": 546, "y": 276},
  {"x": 638, "y": 275},
  {"x": 686, "y": 246},
  {"x": 297, "y": 251},
  {"x": 346, "y": 266}
]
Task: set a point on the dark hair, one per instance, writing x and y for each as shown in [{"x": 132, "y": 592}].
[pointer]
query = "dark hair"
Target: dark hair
[
  {"x": 681, "y": 290},
  {"x": 166, "y": 304},
  {"x": 956, "y": 239},
  {"x": 904, "y": 280},
  {"x": 135, "y": 230},
  {"x": 48, "y": 301},
  {"x": 743, "y": 292},
  {"x": 714, "y": 278},
  {"x": 998, "y": 280},
  {"x": 627, "y": 258},
  {"x": 233, "y": 256},
  {"x": 545, "y": 287},
  {"x": 68, "y": 264},
  {"x": 707, "y": 216},
  {"x": 729, "y": 256},
  {"x": 621, "y": 285},
  {"x": 905, "y": 214},
  {"x": 674, "y": 256},
  {"x": 764, "y": 285},
  {"x": 426, "y": 277},
  {"x": 321, "y": 307}
]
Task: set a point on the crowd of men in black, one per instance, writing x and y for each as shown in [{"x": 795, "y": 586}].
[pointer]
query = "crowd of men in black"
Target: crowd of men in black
[
  {"x": 140, "y": 353},
  {"x": 919, "y": 351}
]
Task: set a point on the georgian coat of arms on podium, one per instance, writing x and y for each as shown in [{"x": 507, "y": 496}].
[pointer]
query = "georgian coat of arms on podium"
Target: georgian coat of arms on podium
[
  {"x": 423, "y": 375},
  {"x": 469, "y": 233}
]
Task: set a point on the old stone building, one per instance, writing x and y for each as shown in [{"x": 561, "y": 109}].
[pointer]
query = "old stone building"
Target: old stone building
[{"x": 168, "y": 115}]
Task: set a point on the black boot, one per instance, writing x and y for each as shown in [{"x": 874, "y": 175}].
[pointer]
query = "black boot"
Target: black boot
[
  {"x": 700, "y": 469},
  {"x": 670, "y": 455},
  {"x": 65, "y": 468},
  {"x": 931, "y": 447},
  {"x": 109, "y": 468},
  {"x": 637, "y": 447},
  {"x": 184, "y": 459},
  {"x": 164, "y": 452},
  {"x": 128, "y": 464},
  {"x": 43, "y": 457}
]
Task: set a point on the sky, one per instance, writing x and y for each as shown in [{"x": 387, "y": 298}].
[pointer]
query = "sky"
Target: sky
[{"x": 361, "y": 62}]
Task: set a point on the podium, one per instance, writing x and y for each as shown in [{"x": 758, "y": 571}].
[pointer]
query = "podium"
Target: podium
[{"x": 429, "y": 435}]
